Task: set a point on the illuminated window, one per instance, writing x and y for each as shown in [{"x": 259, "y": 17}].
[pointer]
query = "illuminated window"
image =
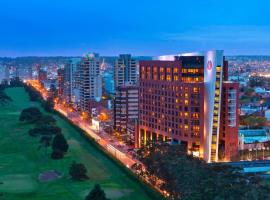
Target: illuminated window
[
  {"x": 186, "y": 95},
  {"x": 168, "y": 78},
  {"x": 196, "y": 128},
  {"x": 175, "y": 70},
  {"x": 176, "y": 100},
  {"x": 186, "y": 127},
  {"x": 195, "y": 115},
  {"x": 162, "y": 77},
  {"x": 195, "y": 89},
  {"x": 175, "y": 78},
  {"x": 186, "y": 114},
  {"x": 168, "y": 69},
  {"x": 186, "y": 102},
  {"x": 161, "y": 69},
  {"x": 142, "y": 69}
]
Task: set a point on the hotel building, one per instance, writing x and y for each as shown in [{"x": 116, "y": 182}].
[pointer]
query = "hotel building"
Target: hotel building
[{"x": 188, "y": 99}]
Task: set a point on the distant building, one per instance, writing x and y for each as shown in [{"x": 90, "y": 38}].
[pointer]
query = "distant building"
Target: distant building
[
  {"x": 90, "y": 80},
  {"x": 126, "y": 109},
  {"x": 187, "y": 99},
  {"x": 267, "y": 115},
  {"x": 248, "y": 110},
  {"x": 60, "y": 81},
  {"x": 252, "y": 138},
  {"x": 260, "y": 90},
  {"x": 125, "y": 70},
  {"x": 108, "y": 83}
]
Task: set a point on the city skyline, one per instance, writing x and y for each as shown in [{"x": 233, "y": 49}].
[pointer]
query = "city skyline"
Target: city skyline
[{"x": 67, "y": 28}]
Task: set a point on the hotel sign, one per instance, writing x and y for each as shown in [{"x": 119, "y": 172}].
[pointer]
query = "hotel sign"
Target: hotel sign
[{"x": 209, "y": 65}]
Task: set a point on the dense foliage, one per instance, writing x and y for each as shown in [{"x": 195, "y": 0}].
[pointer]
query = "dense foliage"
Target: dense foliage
[
  {"x": 44, "y": 130},
  {"x": 78, "y": 171},
  {"x": 48, "y": 105},
  {"x": 188, "y": 178},
  {"x": 30, "y": 115},
  {"x": 59, "y": 146},
  {"x": 4, "y": 99},
  {"x": 96, "y": 194},
  {"x": 253, "y": 121},
  {"x": 33, "y": 94}
]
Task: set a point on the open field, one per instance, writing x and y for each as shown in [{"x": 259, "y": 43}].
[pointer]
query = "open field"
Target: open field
[{"x": 21, "y": 162}]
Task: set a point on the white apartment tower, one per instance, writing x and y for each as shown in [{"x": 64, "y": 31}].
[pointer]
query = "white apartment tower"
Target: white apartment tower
[
  {"x": 125, "y": 70},
  {"x": 90, "y": 80}
]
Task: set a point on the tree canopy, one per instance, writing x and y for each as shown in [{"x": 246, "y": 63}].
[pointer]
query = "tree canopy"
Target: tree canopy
[
  {"x": 30, "y": 115},
  {"x": 188, "y": 178},
  {"x": 33, "y": 94},
  {"x": 45, "y": 130},
  {"x": 48, "y": 104},
  {"x": 254, "y": 121},
  {"x": 96, "y": 194},
  {"x": 78, "y": 171},
  {"x": 4, "y": 99},
  {"x": 59, "y": 146},
  {"x": 46, "y": 120}
]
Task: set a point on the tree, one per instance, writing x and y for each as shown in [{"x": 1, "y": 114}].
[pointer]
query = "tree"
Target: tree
[
  {"x": 45, "y": 130},
  {"x": 59, "y": 146},
  {"x": 48, "y": 105},
  {"x": 33, "y": 94},
  {"x": 4, "y": 99},
  {"x": 96, "y": 194},
  {"x": 16, "y": 82},
  {"x": 78, "y": 171},
  {"x": 46, "y": 120},
  {"x": 254, "y": 121},
  {"x": 45, "y": 142},
  {"x": 178, "y": 171},
  {"x": 30, "y": 115}
]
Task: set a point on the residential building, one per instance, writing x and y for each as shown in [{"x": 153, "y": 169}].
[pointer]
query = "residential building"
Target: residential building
[
  {"x": 188, "y": 99},
  {"x": 90, "y": 80},
  {"x": 125, "y": 70},
  {"x": 126, "y": 110},
  {"x": 60, "y": 81},
  {"x": 72, "y": 81},
  {"x": 108, "y": 83}
]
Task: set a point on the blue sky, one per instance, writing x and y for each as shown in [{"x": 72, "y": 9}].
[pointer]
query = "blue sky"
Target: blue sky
[{"x": 141, "y": 27}]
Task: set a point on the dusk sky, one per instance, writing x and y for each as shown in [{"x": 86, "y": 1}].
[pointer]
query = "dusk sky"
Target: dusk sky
[{"x": 141, "y": 27}]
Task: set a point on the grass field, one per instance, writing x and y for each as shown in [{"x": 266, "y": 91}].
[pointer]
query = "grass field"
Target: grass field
[{"x": 21, "y": 162}]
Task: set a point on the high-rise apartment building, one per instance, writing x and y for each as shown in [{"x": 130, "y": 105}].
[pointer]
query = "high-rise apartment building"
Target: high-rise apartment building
[
  {"x": 72, "y": 81},
  {"x": 125, "y": 70},
  {"x": 90, "y": 80},
  {"x": 126, "y": 110},
  {"x": 188, "y": 99},
  {"x": 60, "y": 82}
]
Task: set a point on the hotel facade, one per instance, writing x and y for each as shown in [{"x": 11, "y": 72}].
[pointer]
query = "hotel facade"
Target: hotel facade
[{"x": 188, "y": 99}]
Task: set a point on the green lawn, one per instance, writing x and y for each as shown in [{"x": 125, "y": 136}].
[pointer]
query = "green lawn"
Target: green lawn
[{"x": 21, "y": 162}]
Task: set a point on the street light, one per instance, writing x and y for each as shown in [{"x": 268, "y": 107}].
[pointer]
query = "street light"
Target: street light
[{"x": 263, "y": 148}]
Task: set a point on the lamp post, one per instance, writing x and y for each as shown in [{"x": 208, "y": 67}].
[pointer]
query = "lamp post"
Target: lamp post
[
  {"x": 249, "y": 156},
  {"x": 263, "y": 148}
]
